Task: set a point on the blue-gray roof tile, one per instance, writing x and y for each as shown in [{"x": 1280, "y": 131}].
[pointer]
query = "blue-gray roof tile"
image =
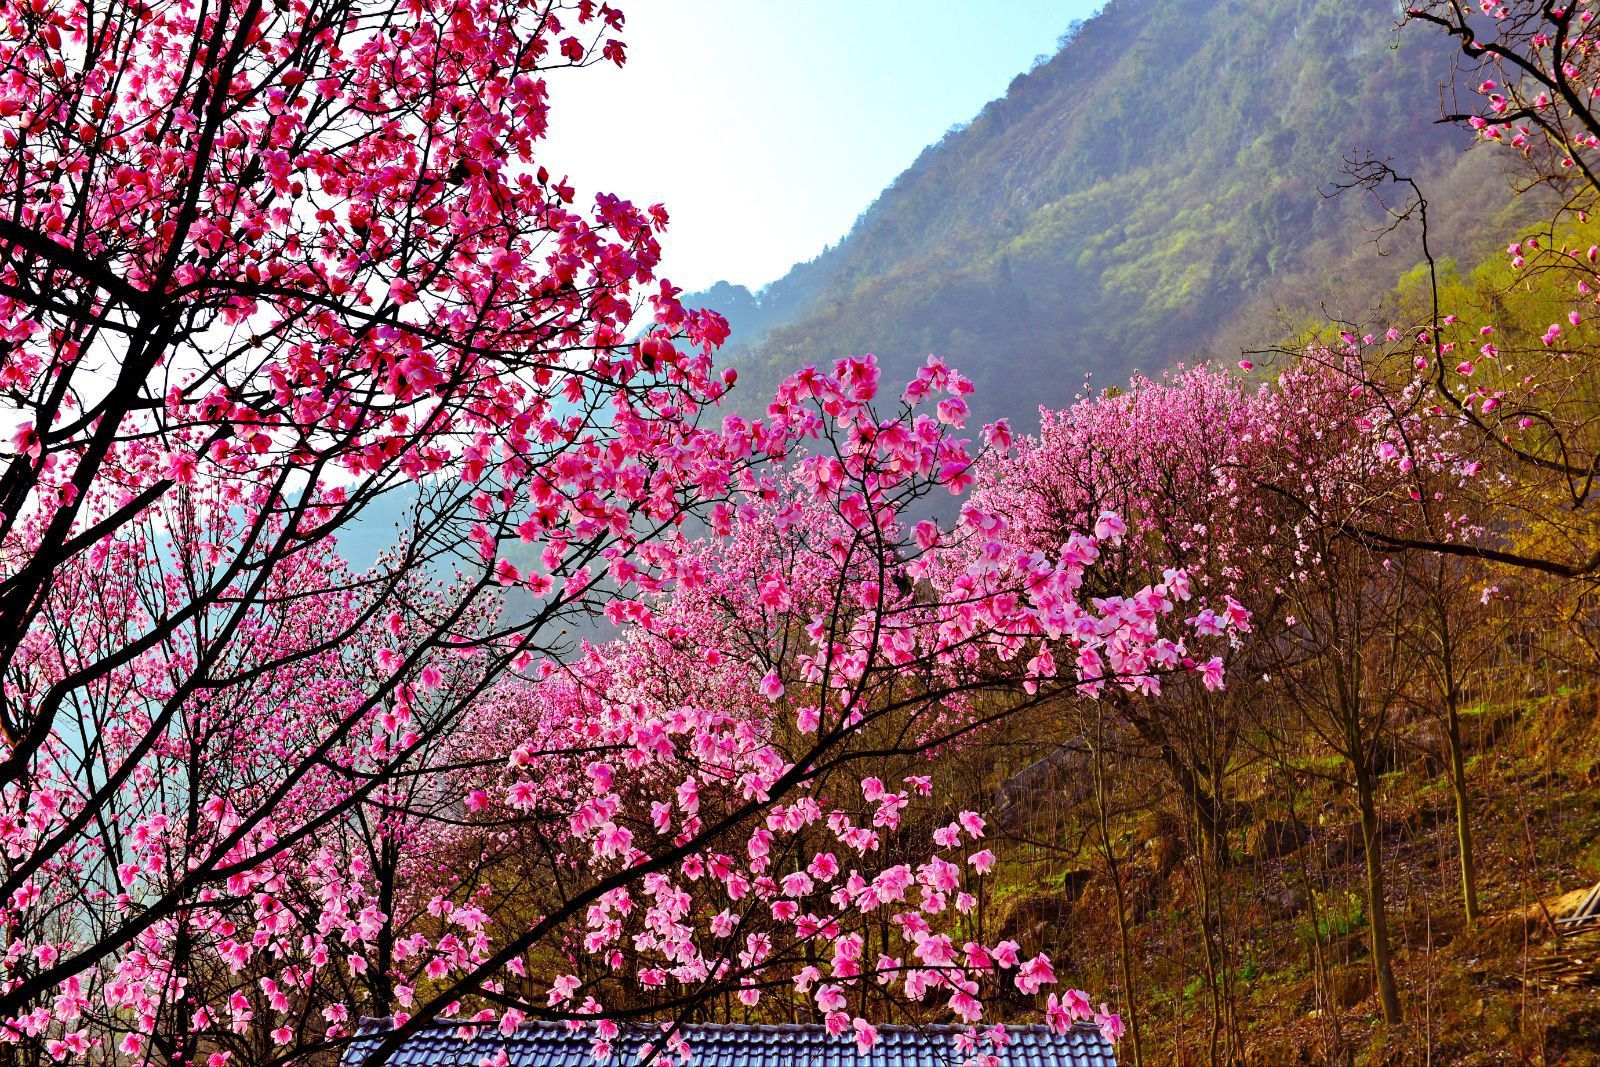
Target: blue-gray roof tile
[{"x": 440, "y": 1044}]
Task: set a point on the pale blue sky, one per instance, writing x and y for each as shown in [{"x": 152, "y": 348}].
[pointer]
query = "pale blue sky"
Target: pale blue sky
[{"x": 766, "y": 127}]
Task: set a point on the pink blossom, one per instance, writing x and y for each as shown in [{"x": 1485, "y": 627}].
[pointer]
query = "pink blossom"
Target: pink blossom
[
  {"x": 1035, "y": 973},
  {"x": 1109, "y": 527}
]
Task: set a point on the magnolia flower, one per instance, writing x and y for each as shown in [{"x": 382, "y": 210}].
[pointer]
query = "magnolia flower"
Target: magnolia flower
[{"x": 1109, "y": 527}]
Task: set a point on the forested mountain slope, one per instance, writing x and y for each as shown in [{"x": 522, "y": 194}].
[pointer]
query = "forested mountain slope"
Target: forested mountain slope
[{"x": 1154, "y": 191}]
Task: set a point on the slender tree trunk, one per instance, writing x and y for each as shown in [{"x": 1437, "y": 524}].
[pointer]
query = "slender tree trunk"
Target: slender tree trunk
[
  {"x": 1319, "y": 956},
  {"x": 1450, "y": 687},
  {"x": 1213, "y": 963},
  {"x": 1318, "y": 947},
  {"x": 1231, "y": 962},
  {"x": 1125, "y": 944},
  {"x": 1377, "y": 910},
  {"x": 1206, "y": 806},
  {"x": 1458, "y": 786},
  {"x": 381, "y": 983}
]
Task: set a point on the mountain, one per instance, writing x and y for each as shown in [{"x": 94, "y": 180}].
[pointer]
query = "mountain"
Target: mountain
[{"x": 1156, "y": 191}]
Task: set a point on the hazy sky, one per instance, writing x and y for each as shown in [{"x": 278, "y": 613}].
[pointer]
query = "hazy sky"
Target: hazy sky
[{"x": 767, "y": 126}]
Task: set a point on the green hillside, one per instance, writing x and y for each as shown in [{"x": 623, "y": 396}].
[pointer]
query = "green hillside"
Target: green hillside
[{"x": 1156, "y": 190}]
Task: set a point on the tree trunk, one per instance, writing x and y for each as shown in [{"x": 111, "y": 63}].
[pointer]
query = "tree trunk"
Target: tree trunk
[
  {"x": 1458, "y": 785},
  {"x": 1377, "y": 910},
  {"x": 1207, "y": 808},
  {"x": 1130, "y": 994},
  {"x": 380, "y": 983}
]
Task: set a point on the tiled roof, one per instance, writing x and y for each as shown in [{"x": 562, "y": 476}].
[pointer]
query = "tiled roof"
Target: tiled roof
[{"x": 553, "y": 1045}]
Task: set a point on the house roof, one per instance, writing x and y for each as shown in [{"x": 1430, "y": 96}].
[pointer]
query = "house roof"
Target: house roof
[{"x": 554, "y": 1045}]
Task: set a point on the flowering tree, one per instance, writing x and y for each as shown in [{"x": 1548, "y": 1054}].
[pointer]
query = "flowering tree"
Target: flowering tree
[
  {"x": 1518, "y": 393},
  {"x": 1343, "y": 465},
  {"x": 1260, "y": 499},
  {"x": 1172, "y": 460},
  {"x": 1538, "y": 62},
  {"x": 264, "y": 269}
]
